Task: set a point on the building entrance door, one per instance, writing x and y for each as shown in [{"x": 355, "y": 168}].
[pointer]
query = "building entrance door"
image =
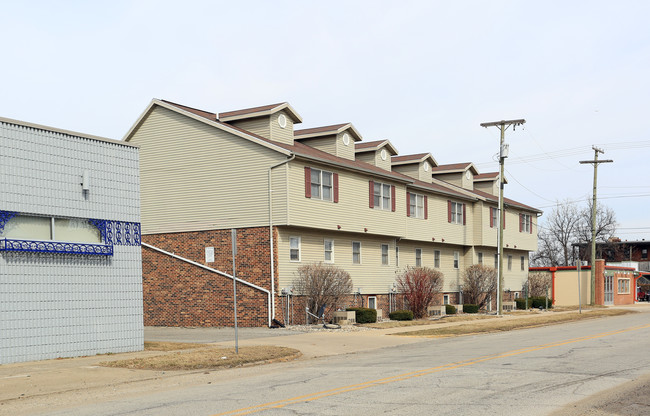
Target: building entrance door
[{"x": 609, "y": 290}]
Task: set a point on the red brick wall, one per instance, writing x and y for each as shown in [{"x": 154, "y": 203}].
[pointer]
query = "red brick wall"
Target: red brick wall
[{"x": 177, "y": 293}]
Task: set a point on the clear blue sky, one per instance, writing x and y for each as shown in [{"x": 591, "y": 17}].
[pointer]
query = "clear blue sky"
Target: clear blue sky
[{"x": 423, "y": 74}]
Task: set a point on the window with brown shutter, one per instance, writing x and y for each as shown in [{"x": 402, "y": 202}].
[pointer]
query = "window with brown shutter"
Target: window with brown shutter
[
  {"x": 408, "y": 204},
  {"x": 426, "y": 208},
  {"x": 307, "y": 182},
  {"x": 392, "y": 198},
  {"x": 371, "y": 203},
  {"x": 336, "y": 187}
]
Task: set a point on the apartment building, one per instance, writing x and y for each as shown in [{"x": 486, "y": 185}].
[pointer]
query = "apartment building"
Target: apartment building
[{"x": 299, "y": 196}]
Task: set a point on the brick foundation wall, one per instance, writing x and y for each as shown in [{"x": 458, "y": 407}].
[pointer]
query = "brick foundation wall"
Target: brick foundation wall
[{"x": 176, "y": 293}]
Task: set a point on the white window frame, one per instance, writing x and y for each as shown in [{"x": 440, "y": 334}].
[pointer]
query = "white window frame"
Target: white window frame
[
  {"x": 357, "y": 253},
  {"x": 509, "y": 262},
  {"x": 329, "y": 241},
  {"x": 374, "y": 300},
  {"x": 479, "y": 257},
  {"x": 436, "y": 259},
  {"x": 318, "y": 186},
  {"x": 457, "y": 212},
  {"x": 381, "y": 196},
  {"x": 445, "y": 299},
  {"x": 418, "y": 257},
  {"x": 397, "y": 256},
  {"x": 456, "y": 260},
  {"x": 416, "y": 205},
  {"x": 523, "y": 263},
  {"x": 385, "y": 261},
  {"x": 526, "y": 223},
  {"x": 496, "y": 260},
  {"x": 495, "y": 217},
  {"x": 292, "y": 249}
]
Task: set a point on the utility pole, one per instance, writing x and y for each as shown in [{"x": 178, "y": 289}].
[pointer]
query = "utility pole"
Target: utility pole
[
  {"x": 594, "y": 162},
  {"x": 503, "y": 154}
]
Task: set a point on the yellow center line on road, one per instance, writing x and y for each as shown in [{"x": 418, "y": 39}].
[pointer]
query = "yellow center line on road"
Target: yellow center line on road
[{"x": 405, "y": 376}]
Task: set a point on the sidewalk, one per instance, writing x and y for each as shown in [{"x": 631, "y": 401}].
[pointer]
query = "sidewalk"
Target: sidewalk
[{"x": 62, "y": 377}]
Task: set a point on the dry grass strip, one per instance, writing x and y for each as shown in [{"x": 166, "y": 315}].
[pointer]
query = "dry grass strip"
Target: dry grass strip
[
  {"x": 445, "y": 319},
  {"x": 201, "y": 357},
  {"x": 498, "y": 325}
]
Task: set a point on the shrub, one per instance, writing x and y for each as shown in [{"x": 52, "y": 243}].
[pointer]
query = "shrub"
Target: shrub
[
  {"x": 521, "y": 303},
  {"x": 469, "y": 308},
  {"x": 401, "y": 315},
  {"x": 536, "y": 302},
  {"x": 364, "y": 315},
  {"x": 420, "y": 285},
  {"x": 450, "y": 309},
  {"x": 540, "y": 302}
]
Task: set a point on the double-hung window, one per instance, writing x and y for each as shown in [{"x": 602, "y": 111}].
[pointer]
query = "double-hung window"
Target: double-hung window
[
  {"x": 523, "y": 263},
  {"x": 456, "y": 260},
  {"x": 329, "y": 250},
  {"x": 480, "y": 258},
  {"x": 417, "y": 206},
  {"x": 294, "y": 248},
  {"x": 356, "y": 252},
  {"x": 509, "y": 262},
  {"x": 384, "y": 254},
  {"x": 493, "y": 217},
  {"x": 623, "y": 286},
  {"x": 436, "y": 259},
  {"x": 382, "y": 196},
  {"x": 321, "y": 184},
  {"x": 456, "y": 212},
  {"x": 418, "y": 257},
  {"x": 525, "y": 223}
]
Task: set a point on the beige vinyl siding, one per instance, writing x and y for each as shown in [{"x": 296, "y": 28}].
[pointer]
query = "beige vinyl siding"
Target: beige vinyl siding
[
  {"x": 411, "y": 170},
  {"x": 514, "y": 279},
  {"x": 453, "y": 178},
  {"x": 367, "y": 157},
  {"x": 371, "y": 276},
  {"x": 196, "y": 177},
  {"x": 468, "y": 183},
  {"x": 279, "y": 134},
  {"x": 488, "y": 234},
  {"x": 479, "y": 218},
  {"x": 258, "y": 125},
  {"x": 325, "y": 144},
  {"x": 511, "y": 235},
  {"x": 490, "y": 187},
  {"x": 346, "y": 152},
  {"x": 352, "y": 212},
  {"x": 440, "y": 226}
]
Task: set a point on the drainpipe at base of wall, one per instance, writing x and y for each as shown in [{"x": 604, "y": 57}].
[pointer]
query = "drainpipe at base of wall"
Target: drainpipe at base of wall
[{"x": 220, "y": 273}]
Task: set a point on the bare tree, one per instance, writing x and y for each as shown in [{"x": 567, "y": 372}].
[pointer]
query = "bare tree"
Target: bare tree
[
  {"x": 566, "y": 226},
  {"x": 537, "y": 284},
  {"x": 420, "y": 285},
  {"x": 322, "y": 284},
  {"x": 605, "y": 227},
  {"x": 479, "y": 282}
]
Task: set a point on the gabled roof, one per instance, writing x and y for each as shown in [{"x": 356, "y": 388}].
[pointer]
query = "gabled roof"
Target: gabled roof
[
  {"x": 491, "y": 176},
  {"x": 327, "y": 131},
  {"x": 454, "y": 168},
  {"x": 374, "y": 146},
  {"x": 264, "y": 110},
  {"x": 488, "y": 177},
  {"x": 506, "y": 201},
  {"x": 415, "y": 158}
]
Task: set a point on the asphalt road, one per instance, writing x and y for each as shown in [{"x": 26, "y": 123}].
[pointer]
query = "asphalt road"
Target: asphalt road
[{"x": 527, "y": 372}]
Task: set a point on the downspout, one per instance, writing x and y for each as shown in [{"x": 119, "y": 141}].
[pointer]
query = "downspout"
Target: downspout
[
  {"x": 272, "y": 306},
  {"x": 210, "y": 269}
]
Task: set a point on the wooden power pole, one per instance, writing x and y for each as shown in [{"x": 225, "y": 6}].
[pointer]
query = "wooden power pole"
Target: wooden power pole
[
  {"x": 594, "y": 162},
  {"x": 503, "y": 154}
]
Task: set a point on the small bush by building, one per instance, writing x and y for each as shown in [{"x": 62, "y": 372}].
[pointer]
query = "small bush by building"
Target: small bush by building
[
  {"x": 450, "y": 309},
  {"x": 364, "y": 315},
  {"x": 469, "y": 308},
  {"x": 401, "y": 315}
]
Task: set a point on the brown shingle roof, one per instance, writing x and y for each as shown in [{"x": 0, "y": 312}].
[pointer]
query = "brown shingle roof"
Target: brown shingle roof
[
  {"x": 365, "y": 145},
  {"x": 408, "y": 158},
  {"x": 451, "y": 167},
  {"x": 508, "y": 201},
  {"x": 325, "y": 129},
  {"x": 486, "y": 176},
  {"x": 205, "y": 114},
  {"x": 249, "y": 110}
]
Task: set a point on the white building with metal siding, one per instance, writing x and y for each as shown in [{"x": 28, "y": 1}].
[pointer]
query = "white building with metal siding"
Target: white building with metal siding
[{"x": 70, "y": 256}]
